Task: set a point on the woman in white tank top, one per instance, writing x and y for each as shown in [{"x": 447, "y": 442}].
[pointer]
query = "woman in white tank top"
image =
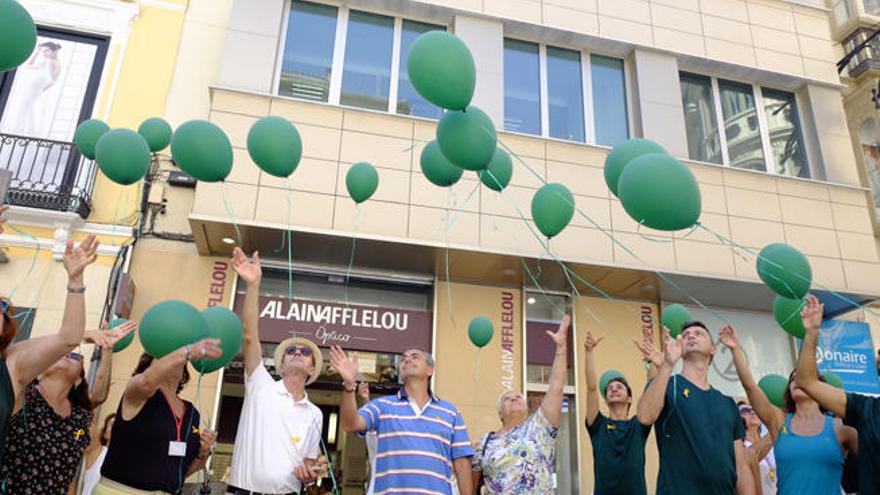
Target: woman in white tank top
[{"x": 95, "y": 454}]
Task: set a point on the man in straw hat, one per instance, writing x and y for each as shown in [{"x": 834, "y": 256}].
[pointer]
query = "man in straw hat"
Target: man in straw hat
[{"x": 279, "y": 433}]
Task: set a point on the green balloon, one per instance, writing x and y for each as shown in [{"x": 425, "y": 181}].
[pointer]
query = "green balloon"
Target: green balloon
[
  {"x": 442, "y": 70},
  {"x": 275, "y": 146},
  {"x": 18, "y": 35},
  {"x": 552, "y": 208},
  {"x": 157, "y": 132},
  {"x": 674, "y": 316},
  {"x": 467, "y": 138},
  {"x": 480, "y": 331},
  {"x": 361, "y": 181},
  {"x": 658, "y": 191},
  {"x": 788, "y": 314},
  {"x": 774, "y": 387},
  {"x": 87, "y": 135},
  {"x": 833, "y": 379},
  {"x": 624, "y": 153},
  {"x": 122, "y": 343},
  {"x": 607, "y": 377},
  {"x": 202, "y": 150},
  {"x": 785, "y": 270},
  {"x": 437, "y": 168},
  {"x": 170, "y": 325},
  {"x": 123, "y": 156},
  {"x": 225, "y": 325},
  {"x": 501, "y": 169}
]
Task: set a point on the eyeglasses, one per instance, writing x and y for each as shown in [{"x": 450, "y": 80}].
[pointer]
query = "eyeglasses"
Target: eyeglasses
[
  {"x": 746, "y": 410},
  {"x": 75, "y": 356},
  {"x": 304, "y": 350}
]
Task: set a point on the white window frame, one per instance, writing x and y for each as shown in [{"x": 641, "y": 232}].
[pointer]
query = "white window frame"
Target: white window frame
[
  {"x": 587, "y": 87},
  {"x": 763, "y": 126},
  {"x": 337, "y": 66}
]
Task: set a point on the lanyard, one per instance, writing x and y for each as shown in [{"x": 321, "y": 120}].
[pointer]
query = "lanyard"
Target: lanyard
[{"x": 178, "y": 421}]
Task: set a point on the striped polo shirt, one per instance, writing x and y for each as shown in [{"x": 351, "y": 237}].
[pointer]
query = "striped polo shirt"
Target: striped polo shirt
[{"x": 415, "y": 450}]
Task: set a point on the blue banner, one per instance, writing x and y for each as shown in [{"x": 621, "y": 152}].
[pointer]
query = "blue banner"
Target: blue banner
[{"x": 845, "y": 349}]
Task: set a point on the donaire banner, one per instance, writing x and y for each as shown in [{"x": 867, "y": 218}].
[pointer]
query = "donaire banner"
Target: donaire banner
[{"x": 845, "y": 348}]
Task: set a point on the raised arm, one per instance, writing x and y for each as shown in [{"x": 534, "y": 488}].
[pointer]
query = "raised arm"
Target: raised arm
[
  {"x": 745, "y": 483},
  {"x": 829, "y": 397},
  {"x": 105, "y": 340},
  {"x": 347, "y": 367},
  {"x": 652, "y": 356},
  {"x": 551, "y": 405},
  {"x": 591, "y": 380},
  {"x": 651, "y": 403},
  {"x": 31, "y": 357},
  {"x": 770, "y": 415},
  {"x": 142, "y": 386},
  {"x": 252, "y": 273}
]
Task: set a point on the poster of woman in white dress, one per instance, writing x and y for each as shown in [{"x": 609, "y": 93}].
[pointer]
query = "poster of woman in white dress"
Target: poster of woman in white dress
[{"x": 45, "y": 103}]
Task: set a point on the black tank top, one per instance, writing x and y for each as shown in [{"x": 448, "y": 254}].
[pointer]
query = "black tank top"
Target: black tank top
[
  {"x": 7, "y": 403},
  {"x": 138, "y": 453}
]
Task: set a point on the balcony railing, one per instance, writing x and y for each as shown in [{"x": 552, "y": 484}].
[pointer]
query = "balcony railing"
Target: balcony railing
[
  {"x": 47, "y": 174},
  {"x": 867, "y": 58}
]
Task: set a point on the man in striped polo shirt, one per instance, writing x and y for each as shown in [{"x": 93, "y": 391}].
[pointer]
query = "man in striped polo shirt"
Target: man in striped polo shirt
[{"x": 422, "y": 439}]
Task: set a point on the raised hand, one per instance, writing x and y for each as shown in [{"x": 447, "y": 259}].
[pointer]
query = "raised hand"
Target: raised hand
[
  {"x": 672, "y": 347},
  {"x": 346, "y": 366},
  {"x": 364, "y": 391},
  {"x": 249, "y": 270},
  {"x": 649, "y": 351},
  {"x": 77, "y": 258},
  {"x": 3, "y": 209},
  {"x": 729, "y": 338},
  {"x": 207, "y": 438},
  {"x": 591, "y": 343},
  {"x": 206, "y": 349},
  {"x": 811, "y": 315},
  {"x": 560, "y": 336}
]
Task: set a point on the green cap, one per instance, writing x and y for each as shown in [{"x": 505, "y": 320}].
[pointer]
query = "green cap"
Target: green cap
[{"x": 607, "y": 377}]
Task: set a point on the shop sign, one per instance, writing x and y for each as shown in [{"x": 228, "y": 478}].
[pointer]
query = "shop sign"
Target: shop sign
[
  {"x": 845, "y": 348},
  {"x": 352, "y": 326}
]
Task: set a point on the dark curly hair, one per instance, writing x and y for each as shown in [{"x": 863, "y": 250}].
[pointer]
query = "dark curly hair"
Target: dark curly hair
[{"x": 146, "y": 360}]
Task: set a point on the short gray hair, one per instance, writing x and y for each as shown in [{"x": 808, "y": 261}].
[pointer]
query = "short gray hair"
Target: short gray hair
[{"x": 428, "y": 358}]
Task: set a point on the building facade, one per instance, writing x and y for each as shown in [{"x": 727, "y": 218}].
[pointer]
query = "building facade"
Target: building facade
[{"x": 745, "y": 93}]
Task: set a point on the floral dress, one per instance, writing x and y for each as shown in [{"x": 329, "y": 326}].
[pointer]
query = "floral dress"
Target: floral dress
[
  {"x": 43, "y": 449},
  {"x": 520, "y": 461}
]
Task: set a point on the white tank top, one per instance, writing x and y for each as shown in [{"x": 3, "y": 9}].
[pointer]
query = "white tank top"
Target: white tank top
[{"x": 93, "y": 474}]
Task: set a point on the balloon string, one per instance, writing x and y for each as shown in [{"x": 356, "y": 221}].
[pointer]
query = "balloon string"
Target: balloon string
[
  {"x": 34, "y": 258},
  {"x": 415, "y": 144},
  {"x": 662, "y": 240},
  {"x": 479, "y": 365},
  {"x": 115, "y": 219},
  {"x": 357, "y": 220},
  {"x": 461, "y": 208},
  {"x": 229, "y": 211},
  {"x": 289, "y": 244},
  {"x": 735, "y": 245},
  {"x": 450, "y": 199},
  {"x": 189, "y": 426}
]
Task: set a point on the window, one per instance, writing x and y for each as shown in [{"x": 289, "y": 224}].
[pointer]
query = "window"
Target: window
[
  {"x": 350, "y": 57},
  {"x": 546, "y": 94},
  {"x": 759, "y": 129}
]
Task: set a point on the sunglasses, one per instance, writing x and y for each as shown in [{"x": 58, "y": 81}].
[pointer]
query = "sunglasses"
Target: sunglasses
[
  {"x": 746, "y": 410},
  {"x": 304, "y": 350},
  {"x": 75, "y": 356},
  {"x": 4, "y": 307}
]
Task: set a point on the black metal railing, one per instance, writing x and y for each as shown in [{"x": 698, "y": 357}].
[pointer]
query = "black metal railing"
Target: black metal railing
[
  {"x": 868, "y": 57},
  {"x": 47, "y": 174}
]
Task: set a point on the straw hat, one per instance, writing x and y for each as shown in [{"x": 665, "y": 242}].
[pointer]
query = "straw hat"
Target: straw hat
[{"x": 316, "y": 353}]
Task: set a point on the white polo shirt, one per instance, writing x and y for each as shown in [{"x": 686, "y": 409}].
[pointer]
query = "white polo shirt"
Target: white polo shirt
[{"x": 275, "y": 433}]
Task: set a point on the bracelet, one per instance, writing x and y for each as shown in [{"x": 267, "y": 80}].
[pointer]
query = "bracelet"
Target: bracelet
[
  {"x": 348, "y": 389},
  {"x": 76, "y": 290}
]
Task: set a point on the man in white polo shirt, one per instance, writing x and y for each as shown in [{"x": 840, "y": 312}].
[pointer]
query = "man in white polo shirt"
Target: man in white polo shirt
[{"x": 278, "y": 440}]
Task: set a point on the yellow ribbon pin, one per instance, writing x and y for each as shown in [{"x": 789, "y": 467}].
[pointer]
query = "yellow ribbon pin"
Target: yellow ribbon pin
[
  {"x": 78, "y": 434},
  {"x": 686, "y": 393},
  {"x": 611, "y": 427},
  {"x": 294, "y": 440}
]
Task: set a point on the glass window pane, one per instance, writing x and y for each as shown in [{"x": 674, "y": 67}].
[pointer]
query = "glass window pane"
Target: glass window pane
[
  {"x": 409, "y": 102},
  {"x": 543, "y": 313},
  {"x": 786, "y": 143},
  {"x": 609, "y": 100},
  {"x": 522, "y": 87},
  {"x": 741, "y": 126},
  {"x": 699, "y": 119},
  {"x": 366, "y": 74},
  {"x": 565, "y": 94},
  {"x": 308, "y": 51}
]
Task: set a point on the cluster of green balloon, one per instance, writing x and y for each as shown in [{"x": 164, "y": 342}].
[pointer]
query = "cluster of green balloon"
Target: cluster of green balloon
[
  {"x": 123, "y": 156},
  {"x": 122, "y": 343},
  {"x": 674, "y": 316},
  {"x": 496, "y": 176},
  {"x": 442, "y": 70},
  {"x": 480, "y": 331},
  {"x": 552, "y": 209},
  {"x": 607, "y": 377},
  {"x": 157, "y": 132},
  {"x": 361, "y": 181},
  {"x": 18, "y": 35},
  {"x": 225, "y": 325},
  {"x": 437, "y": 168},
  {"x": 202, "y": 150},
  {"x": 275, "y": 146},
  {"x": 774, "y": 387},
  {"x": 87, "y": 135},
  {"x": 656, "y": 190},
  {"x": 787, "y": 313},
  {"x": 785, "y": 270},
  {"x": 467, "y": 138}
]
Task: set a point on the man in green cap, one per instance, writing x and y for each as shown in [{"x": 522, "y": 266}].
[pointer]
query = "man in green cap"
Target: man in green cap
[
  {"x": 618, "y": 440},
  {"x": 859, "y": 411},
  {"x": 699, "y": 430}
]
